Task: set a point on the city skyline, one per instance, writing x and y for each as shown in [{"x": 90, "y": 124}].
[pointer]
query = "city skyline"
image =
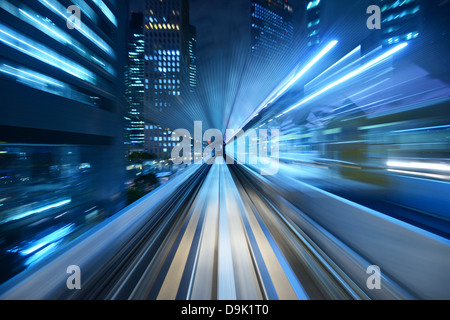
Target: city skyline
[
  {"x": 229, "y": 55},
  {"x": 243, "y": 150}
]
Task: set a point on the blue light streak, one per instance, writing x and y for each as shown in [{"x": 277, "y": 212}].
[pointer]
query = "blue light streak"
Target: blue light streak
[
  {"x": 43, "y": 55},
  {"x": 301, "y": 73},
  {"x": 347, "y": 77},
  {"x": 316, "y": 59},
  {"x": 106, "y": 11},
  {"x": 48, "y": 239},
  {"x": 29, "y": 74},
  {"x": 46, "y": 27},
  {"x": 21, "y": 77},
  {"x": 87, "y": 34},
  {"x": 39, "y": 210}
]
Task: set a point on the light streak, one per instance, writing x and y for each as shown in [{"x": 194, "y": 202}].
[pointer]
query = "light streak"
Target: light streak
[
  {"x": 347, "y": 77},
  {"x": 419, "y": 165},
  {"x": 316, "y": 59},
  {"x": 39, "y": 210}
]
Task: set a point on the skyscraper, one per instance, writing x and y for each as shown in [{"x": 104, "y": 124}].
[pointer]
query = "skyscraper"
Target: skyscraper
[
  {"x": 163, "y": 53},
  {"x": 63, "y": 107},
  {"x": 166, "y": 32},
  {"x": 134, "y": 84},
  {"x": 272, "y": 28},
  {"x": 170, "y": 64}
]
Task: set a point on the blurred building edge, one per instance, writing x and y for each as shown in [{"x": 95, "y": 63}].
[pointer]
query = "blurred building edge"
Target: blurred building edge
[{"x": 62, "y": 93}]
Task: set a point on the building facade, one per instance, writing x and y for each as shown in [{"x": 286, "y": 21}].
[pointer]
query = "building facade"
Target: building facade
[
  {"x": 272, "y": 29},
  {"x": 63, "y": 108},
  {"x": 170, "y": 66},
  {"x": 159, "y": 141}
]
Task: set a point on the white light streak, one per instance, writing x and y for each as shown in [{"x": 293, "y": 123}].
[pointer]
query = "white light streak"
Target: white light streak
[
  {"x": 419, "y": 165},
  {"x": 33, "y": 75},
  {"x": 316, "y": 59},
  {"x": 348, "y": 76}
]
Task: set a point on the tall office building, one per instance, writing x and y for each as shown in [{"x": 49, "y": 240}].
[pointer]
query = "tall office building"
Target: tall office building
[
  {"x": 170, "y": 64},
  {"x": 166, "y": 29},
  {"x": 158, "y": 141},
  {"x": 134, "y": 84},
  {"x": 62, "y": 109},
  {"x": 272, "y": 29}
]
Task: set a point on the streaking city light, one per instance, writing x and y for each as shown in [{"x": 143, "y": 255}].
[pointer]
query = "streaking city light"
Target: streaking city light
[
  {"x": 44, "y": 26},
  {"x": 39, "y": 210},
  {"x": 48, "y": 27},
  {"x": 316, "y": 59},
  {"x": 419, "y": 165},
  {"x": 48, "y": 239},
  {"x": 22, "y": 74},
  {"x": 302, "y": 72},
  {"x": 347, "y": 77},
  {"x": 38, "y": 51},
  {"x": 88, "y": 33},
  {"x": 21, "y": 77},
  {"x": 106, "y": 11}
]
